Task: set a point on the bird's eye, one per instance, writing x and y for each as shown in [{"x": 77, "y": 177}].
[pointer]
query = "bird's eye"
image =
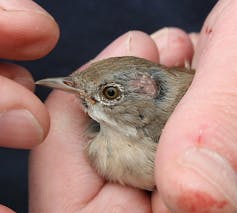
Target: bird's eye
[{"x": 111, "y": 92}]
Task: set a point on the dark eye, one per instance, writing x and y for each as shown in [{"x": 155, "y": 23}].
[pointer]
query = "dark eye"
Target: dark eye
[{"x": 111, "y": 92}]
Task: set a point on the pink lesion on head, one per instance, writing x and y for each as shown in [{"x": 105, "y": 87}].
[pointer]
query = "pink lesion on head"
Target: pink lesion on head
[{"x": 146, "y": 85}]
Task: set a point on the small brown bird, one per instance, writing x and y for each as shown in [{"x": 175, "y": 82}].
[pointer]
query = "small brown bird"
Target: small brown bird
[{"x": 129, "y": 99}]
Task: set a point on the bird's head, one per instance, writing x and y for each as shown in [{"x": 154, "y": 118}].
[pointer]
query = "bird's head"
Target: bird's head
[{"x": 122, "y": 92}]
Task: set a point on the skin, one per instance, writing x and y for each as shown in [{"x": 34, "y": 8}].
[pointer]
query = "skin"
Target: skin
[
  {"x": 20, "y": 41},
  {"x": 206, "y": 119},
  {"x": 205, "y": 135}
]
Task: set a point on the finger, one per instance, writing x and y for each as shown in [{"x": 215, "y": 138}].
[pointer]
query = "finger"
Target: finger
[
  {"x": 4, "y": 209},
  {"x": 63, "y": 153},
  {"x": 24, "y": 120},
  {"x": 174, "y": 45},
  {"x": 194, "y": 37},
  {"x": 127, "y": 44},
  {"x": 26, "y": 30},
  {"x": 18, "y": 74},
  {"x": 199, "y": 174}
]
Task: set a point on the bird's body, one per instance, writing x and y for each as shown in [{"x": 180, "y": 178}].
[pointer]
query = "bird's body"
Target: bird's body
[{"x": 131, "y": 99}]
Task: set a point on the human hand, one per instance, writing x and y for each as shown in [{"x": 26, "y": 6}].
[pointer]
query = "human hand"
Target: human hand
[
  {"x": 27, "y": 32},
  {"x": 61, "y": 179},
  {"x": 59, "y": 170},
  {"x": 196, "y": 159}
]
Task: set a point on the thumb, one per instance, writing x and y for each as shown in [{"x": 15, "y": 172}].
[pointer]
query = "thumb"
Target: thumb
[
  {"x": 196, "y": 161},
  {"x": 27, "y": 30}
]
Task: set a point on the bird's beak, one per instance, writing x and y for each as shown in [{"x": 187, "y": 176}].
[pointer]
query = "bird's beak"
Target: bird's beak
[
  {"x": 63, "y": 83},
  {"x": 66, "y": 84}
]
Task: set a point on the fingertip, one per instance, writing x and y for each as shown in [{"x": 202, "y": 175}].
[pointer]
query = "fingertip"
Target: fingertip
[
  {"x": 188, "y": 191},
  {"x": 132, "y": 43},
  {"x": 174, "y": 46},
  {"x": 26, "y": 34},
  {"x": 24, "y": 120}
]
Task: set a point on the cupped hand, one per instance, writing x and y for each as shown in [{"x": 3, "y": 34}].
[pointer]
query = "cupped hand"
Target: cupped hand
[
  {"x": 61, "y": 179},
  {"x": 27, "y": 32},
  {"x": 195, "y": 165},
  {"x": 196, "y": 161}
]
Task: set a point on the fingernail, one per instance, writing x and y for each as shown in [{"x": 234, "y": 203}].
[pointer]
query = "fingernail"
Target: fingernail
[
  {"x": 161, "y": 35},
  {"x": 215, "y": 169},
  {"x": 19, "y": 128}
]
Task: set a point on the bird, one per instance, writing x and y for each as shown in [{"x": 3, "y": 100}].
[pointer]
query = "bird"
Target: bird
[{"x": 129, "y": 100}]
